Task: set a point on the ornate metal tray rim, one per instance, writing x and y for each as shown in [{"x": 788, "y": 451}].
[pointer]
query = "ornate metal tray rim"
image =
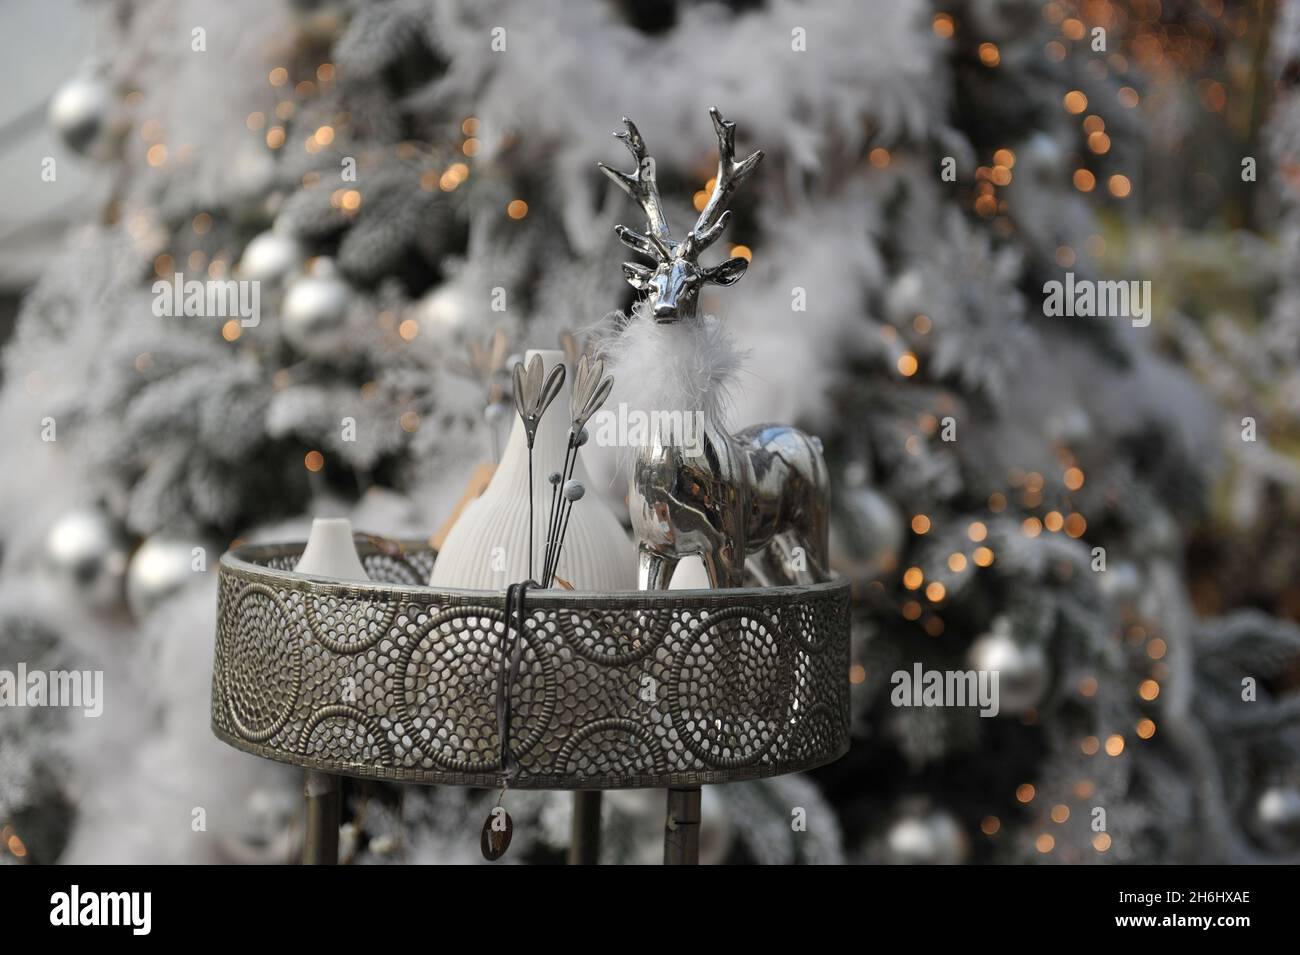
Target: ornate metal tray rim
[
  {"x": 243, "y": 560},
  {"x": 242, "y": 564}
]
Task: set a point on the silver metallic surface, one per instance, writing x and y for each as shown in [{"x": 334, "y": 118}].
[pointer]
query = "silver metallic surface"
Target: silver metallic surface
[
  {"x": 674, "y": 284},
  {"x": 388, "y": 679},
  {"x": 535, "y": 389},
  {"x": 762, "y": 494}
]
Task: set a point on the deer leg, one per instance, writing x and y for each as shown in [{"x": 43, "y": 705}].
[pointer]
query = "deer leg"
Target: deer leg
[
  {"x": 655, "y": 570},
  {"x": 789, "y": 558},
  {"x": 723, "y": 571},
  {"x": 767, "y": 567}
]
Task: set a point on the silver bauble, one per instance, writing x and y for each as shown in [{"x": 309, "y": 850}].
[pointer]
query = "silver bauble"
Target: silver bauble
[
  {"x": 162, "y": 565},
  {"x": 444, "y": 314},
  {"x": 314, "y": 316},
  {"x": 866, "y": 530},
  {"x": 1022, "y": 668},
  {"x": 924, "y": 836},
  {"x": 86, "y": 551},
  {"x": 271, "y": 256},
  {"x": 1044, "y": 157},
  {"x": 1277, "y": 817},
  {"x": 84, "y": 113}
]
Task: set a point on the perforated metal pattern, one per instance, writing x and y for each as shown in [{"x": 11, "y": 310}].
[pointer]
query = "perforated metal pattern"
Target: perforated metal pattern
[{"x": 393, "y": 680}]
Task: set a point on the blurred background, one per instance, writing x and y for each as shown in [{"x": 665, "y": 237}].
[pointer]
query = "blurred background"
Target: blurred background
[{"x": 1105, "y": 511}]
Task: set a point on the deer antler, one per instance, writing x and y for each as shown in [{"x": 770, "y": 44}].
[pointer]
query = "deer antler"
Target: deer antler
[
  {"x": 730, "y": 175},
  {"x": 640, "y": 185}
]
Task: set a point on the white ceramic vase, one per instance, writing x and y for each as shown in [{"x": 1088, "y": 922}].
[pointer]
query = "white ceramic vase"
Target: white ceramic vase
[
  {"x": 487, "y": 547},
  {"x": 330, "y": 551}
]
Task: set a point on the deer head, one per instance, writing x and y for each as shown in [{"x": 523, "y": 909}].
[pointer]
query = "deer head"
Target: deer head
[{"x": 674, "y": 283}]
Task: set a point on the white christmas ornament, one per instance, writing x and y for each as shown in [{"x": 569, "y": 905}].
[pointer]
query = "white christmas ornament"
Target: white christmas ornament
[
  {"x": 444, "y": 313},
  {"x": 1022, "y": 669},
  {"x": 926, "y": 837},
  {"x": 487, "y": 548},
  {"x": 314, "y": 315},
  {"x": 330, "y": 551},
  {"x": 162, "y": 565},
  {"x": 1277, "y": 817},
  {"x": 84, "y": 114},
  {"x": 271, "y": 256},
  {"x": 87, "y": 552}
]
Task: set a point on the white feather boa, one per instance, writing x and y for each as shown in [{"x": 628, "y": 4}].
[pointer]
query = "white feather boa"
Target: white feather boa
[{"x": 687, "y": 366}]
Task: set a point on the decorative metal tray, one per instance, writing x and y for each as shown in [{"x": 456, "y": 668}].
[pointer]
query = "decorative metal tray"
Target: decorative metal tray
[{"x": 391, "y": 679}]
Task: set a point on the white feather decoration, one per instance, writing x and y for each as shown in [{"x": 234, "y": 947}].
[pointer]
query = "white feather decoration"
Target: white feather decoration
[{"x": 684, "y": 366}]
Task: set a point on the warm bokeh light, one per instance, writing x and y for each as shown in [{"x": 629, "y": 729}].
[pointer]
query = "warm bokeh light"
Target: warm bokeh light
[{"x": 1075, "y": 102}]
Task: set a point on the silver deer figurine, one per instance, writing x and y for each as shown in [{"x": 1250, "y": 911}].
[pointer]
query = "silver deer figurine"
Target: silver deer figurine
[{"x": 755, "y": 500}]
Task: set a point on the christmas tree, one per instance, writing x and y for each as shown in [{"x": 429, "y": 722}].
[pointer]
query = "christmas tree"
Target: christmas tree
[{"x": 331, "y": 223}]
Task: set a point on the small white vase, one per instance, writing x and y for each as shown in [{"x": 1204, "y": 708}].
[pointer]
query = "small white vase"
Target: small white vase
[
  {"x": 487, "y": 547},
  {"x": 330, "y": 551}
]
